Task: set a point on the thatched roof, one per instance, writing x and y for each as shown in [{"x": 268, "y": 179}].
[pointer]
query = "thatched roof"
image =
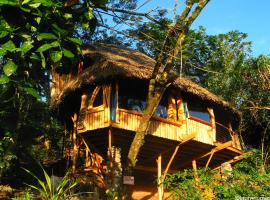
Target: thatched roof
[{"x": 113, "y": 62}]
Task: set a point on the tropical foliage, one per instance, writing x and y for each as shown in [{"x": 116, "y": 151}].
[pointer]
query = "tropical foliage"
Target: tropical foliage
[{"x": 247, "y": 180}]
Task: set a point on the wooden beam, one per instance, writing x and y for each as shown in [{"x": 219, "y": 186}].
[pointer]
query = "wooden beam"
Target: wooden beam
[
  {"x": 215, "y": 149},
  {"x": 219, "y": 147},
  {"x": 185, "y": 140},
  {"x": 236, "y": 158}
]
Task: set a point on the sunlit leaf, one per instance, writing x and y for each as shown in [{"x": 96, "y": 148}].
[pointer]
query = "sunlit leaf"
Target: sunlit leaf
[
  {"x": 35, "y": 57},
  {"x": 68, "y": 53},
  {"x": 43, "y": 60},
  {"x": 3, "y": 34},
  {"x": 26, "y": 47},
  {"x": 45, "y": 47},
  {"x": 9, "y": 46},
  {"x": 34, "y": 5},
  {"x": 4, "y": 79},
  {"x": 48, "y": 36},
  {"x": 56, "y": 56},
  {"x": 75, "y": 40},
  {"x": 31, "y": 91},
  {"x": 9, "y": 2},
  {"x": 10, "y": 68},
  {"x": 2, "y": 51},
  {"x": 25, "y": 2}
]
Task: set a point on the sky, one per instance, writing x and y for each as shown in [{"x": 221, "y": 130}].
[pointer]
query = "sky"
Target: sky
[{"x": 221, "y": 16}]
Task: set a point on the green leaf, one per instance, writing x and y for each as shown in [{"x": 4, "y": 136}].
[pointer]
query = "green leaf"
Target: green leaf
[
  {"x": 35, "y": 57},
  {"x": 56, "y": 56},
  {"x": 26, "y": 47},
  {"x": 9, "y": 46},
  {"x": 59, "y": 30},
  {"x": 25, "y": 2},
  {"x": 3, "y": 34},
  {"x": 9, "y": 2},
  {"x": 75, "y": 40},
  {"x": 33, "y": 29},
  {"x": 2, "y": 51},
  {"x": 67, "y": 16},
  {"x": 45, "y": 47},
  {"x": 10, "y": 68},
  {"x": 43, "y": 60},
  {"x": 68, "y": 53},
  {"x": 4, "y": 79},
  {"x": 34, "y": 5},
  {"x": 47, "y": 3},
  {"x": 47, "y": 36},
  {"x": 31, "y": 91}
]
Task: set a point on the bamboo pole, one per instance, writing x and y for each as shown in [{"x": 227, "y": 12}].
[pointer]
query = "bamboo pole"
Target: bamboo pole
[
  {"x": 160, "y": 177},
  {"x": 110, "y": 147}
]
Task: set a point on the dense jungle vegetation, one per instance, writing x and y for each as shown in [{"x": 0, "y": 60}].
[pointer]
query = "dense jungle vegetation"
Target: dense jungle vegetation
[{"x": 41, "y": 35}]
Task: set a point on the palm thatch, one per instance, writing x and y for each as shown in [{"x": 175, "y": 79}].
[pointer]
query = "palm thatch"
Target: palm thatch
[{"x": 110, "y": 62}]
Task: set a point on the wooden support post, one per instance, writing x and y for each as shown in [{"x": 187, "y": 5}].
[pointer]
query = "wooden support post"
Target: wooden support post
[
  {"x": 194, "y": 166},
  {"x": 170, "y": 161},
  {"x": 209, "y": 159},
  {"x": 110, "y": 147},
  {"x": 213, "y": 123},
  {"x": 185, "y": 140},
  {"x": 87, "y": 158},
  {"x": 160, "y": 177},
  {"x": 75, "y": 147}
]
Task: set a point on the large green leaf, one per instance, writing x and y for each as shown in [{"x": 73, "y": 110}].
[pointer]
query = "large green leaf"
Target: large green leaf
[
  {"x": 4, "y": 79},
  {"x": 26, "y": 47},
  {"x": 31, "y": 91},
  {"x": 9, "y": 46},
  {"x": 45, "y": 47},
  {"x": 68, "y": 53},
  {"x": 58, "y": 30},
  {"x": 56, "y": 56},
  {"x": 9, "y": 2},
  {"x": 48, "y": 36},
  {"x": 3, "y": 34},
  {"x": 75, "y": 40},
  {"x": 10, "y": 68}
]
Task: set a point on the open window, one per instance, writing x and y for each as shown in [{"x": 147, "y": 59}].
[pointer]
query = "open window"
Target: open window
[
  {"x": 96, "y": 99},
  {"x": 198, "y": 112},
  {"x": 132, "y": 96}
]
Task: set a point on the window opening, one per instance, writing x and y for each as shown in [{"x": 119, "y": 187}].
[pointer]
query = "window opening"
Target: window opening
[
  {"x": 98, "y": 99},
  {"x": 199, "y": 111},
  {"x": 113, "y": 103}
]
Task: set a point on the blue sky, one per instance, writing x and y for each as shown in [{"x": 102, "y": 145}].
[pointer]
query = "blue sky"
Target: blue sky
[{"x": 221, "y": 16}]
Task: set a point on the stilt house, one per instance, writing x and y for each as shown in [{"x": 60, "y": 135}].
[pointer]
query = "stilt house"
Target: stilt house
[{"x": 102, "y": 103}]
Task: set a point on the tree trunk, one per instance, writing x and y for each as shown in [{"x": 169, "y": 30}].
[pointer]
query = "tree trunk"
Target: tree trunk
[{"x": 160, "y": 77}]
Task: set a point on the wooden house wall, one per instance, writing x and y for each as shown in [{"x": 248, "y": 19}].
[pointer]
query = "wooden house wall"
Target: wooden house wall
[{"x": 99, "y": 117}]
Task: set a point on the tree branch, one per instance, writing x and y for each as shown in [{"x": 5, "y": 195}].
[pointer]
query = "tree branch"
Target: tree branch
[{"x": 138, "y": 14}]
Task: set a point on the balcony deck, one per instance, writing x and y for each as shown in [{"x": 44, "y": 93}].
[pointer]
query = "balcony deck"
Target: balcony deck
[{"x": 97, "y": 118}]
